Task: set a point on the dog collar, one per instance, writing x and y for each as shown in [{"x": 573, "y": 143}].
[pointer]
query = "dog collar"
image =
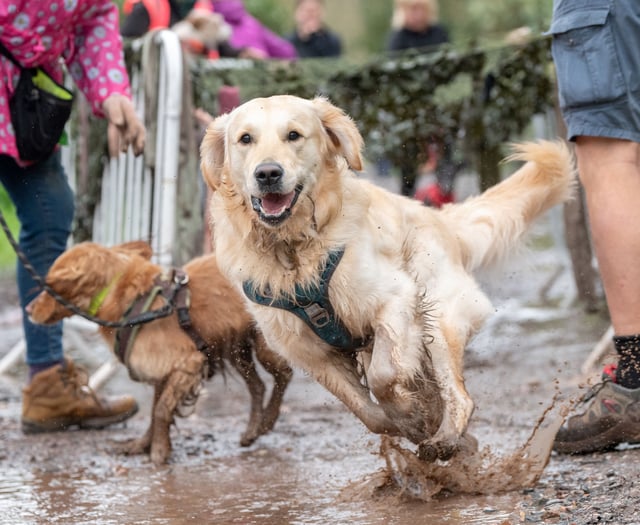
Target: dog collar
[
  {"x": 312, "y": 305},
  {"x": 98, "y": 299}
]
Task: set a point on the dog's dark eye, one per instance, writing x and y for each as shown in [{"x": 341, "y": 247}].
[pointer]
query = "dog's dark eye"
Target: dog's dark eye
[
  {"x": 293, "y": 136},
  {"x": 245, "y": 139}
]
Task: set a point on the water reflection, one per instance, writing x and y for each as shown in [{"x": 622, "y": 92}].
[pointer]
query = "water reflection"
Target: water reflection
[{"x": 248, "y": 489}]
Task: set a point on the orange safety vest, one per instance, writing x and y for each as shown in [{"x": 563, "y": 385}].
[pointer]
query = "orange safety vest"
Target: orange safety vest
[
  {"x": 158, "y": 10},
  {"x": 155, "y": 6},
  {"x": 160, "y": 15}
]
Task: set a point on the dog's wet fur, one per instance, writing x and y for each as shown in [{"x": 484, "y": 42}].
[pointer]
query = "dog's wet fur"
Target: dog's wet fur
[
  {"x": 283, "y": 171},
  {"x": 162, "y": 354}
]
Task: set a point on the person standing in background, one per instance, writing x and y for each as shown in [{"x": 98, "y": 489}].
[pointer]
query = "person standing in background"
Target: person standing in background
[
  {"x": 311, "y": 37},
  {"x": 202, "y": 31},
  {"x": 415, "y": 26},
  {"x": 85, "y": 36},
  {"x": 248, "y": 32}
]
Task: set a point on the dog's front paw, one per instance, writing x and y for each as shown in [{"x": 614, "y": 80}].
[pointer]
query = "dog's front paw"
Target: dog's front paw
[
  {"x": 431, "y": 449},
  {"x": 248, "y": 437}
]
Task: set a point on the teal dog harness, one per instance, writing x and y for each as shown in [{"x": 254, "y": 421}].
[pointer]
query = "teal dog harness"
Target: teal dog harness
[{"x": 312, "y": 305}]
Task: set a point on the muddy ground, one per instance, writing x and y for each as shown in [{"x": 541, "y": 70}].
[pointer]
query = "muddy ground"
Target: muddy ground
[{"x": 319, "y": 464}]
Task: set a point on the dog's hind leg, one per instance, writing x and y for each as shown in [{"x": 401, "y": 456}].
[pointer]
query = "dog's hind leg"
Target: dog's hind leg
[
  {"x": 281, "y": 373},
  {"x": 180, "y": 386},
  {"x": 242, "y": 360}
]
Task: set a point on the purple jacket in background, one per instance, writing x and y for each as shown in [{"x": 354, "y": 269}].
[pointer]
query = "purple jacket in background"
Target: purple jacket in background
[{"x": 249, "y": 32}]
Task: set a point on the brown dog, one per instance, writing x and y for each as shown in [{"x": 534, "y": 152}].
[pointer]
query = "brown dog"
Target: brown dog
[
  {"x": 162, "y": 353},
  {"x": 389, "y": 300}
]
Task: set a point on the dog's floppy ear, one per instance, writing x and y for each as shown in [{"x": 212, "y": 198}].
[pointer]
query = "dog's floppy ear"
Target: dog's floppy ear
[
  {"x": 212, "y": 151},
  {"x": 141, "y": 248},
  {"x": 345, "y": 137}
]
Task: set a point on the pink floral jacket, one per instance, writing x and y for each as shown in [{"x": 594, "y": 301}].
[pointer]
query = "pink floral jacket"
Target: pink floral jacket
[{"x": 84, "y": 34}]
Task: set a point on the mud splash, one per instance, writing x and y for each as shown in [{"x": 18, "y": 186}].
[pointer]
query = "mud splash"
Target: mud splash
[{"x": 470, "y": 471}]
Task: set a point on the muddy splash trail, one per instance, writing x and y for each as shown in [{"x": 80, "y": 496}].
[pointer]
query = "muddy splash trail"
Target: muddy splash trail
[{"x": 472, "y": 470}]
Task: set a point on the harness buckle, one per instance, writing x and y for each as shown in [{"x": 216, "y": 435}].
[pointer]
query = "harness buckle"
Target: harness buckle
[
  {"x": 318, "y": 316},
  {"x": 180, "y": 277}
]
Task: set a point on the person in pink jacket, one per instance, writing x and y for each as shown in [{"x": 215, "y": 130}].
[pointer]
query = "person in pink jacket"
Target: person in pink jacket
[
  {"x": 84, "y": 36},
  {"x": 248, "y": 32}
]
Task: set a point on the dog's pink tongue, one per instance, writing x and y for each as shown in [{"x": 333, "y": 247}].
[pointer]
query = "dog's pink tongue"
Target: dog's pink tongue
[{"x": 274, "y": 203}]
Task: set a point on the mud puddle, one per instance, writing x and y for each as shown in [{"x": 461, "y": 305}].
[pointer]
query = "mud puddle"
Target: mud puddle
[
  {"x": 254, "y": 492},
  {"x": 310, "y": 470}
]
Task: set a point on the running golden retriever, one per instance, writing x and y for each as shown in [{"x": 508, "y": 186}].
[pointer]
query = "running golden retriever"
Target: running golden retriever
[
  {"x": 370, "y": 292},
  {"x": 108, "y": 281}
]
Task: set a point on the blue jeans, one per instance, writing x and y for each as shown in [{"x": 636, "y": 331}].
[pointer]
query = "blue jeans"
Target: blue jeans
[{"x": 45, "y": 206}]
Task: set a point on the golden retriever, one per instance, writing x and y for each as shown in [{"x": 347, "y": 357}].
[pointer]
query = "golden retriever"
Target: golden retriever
[
  {"x": 162, "y": 353},
  {"x": 287, "y": 199}
]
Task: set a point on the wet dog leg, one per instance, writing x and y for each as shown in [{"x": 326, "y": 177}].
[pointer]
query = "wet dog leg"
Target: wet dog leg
[
  {"x": 242, "y": 361},
  {"x": 282, "y": 373},
  {"x": 182, "y": 384},
  {"x": 339, "y": 376},
  {"x": 447, "y": 351},
  {"x": 398, "y": 391}
]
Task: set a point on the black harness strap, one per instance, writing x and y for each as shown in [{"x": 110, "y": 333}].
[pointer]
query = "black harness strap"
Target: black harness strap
[
  {"x": 173, "y": 288},
  {"x": 126, "y": 335},
  {"x": 183, "y": 306}
]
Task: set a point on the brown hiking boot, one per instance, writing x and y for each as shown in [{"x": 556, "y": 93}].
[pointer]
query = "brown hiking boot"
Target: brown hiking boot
[
  {"x": 60, "y": 397},
  {"x": 609, "y": 414}
]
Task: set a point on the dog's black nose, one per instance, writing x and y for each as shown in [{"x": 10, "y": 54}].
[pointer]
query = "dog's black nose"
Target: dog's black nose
[{"x": 268, "y": 174}]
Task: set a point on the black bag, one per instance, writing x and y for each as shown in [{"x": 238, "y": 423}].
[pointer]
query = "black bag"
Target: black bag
[{"x": 40, "y": 108}]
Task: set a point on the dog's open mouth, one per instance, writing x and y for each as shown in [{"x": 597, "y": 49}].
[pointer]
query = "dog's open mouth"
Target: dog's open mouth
[{"x": 274, "y": 208}]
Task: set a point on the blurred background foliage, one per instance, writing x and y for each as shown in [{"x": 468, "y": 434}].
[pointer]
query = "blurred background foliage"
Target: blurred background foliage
[
  {"x": 365, "y": 24},
  {"x": 478, "y": 99},
  {"x": 7, "y": 256}
]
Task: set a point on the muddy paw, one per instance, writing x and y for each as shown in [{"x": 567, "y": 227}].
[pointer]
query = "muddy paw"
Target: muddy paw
[
  {"x": 430, "y": 450},
  {"x": 248, "y": 438},
  {"x": 133, "y": 447},
  {"x": 160, "y": 453}
]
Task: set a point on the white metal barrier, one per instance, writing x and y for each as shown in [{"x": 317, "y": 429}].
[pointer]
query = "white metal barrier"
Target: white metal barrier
[{"x": 137, "y": 202}]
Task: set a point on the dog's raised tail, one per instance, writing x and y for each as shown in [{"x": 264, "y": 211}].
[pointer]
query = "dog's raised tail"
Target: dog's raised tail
[{"x": 491, "y": 225}]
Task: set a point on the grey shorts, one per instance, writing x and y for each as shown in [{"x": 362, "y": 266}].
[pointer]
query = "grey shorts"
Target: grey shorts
[{"x": 596, "y": 50}]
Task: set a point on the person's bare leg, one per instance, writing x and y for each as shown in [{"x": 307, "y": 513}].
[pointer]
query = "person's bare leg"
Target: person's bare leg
[{"x": 610, "y": 172}]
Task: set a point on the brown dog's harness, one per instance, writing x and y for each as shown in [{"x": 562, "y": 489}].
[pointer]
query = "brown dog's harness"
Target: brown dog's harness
[
  {"x": 172, "y": 287},
  {"x": 312, "y": 305}
]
